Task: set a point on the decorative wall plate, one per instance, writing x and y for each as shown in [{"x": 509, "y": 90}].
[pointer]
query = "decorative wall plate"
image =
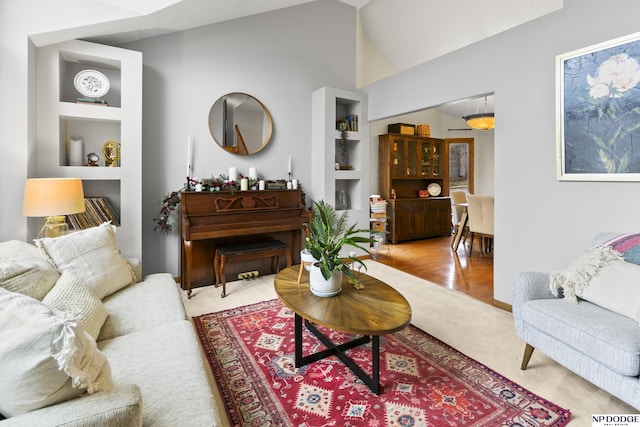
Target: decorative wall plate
[
  {"x": 91, "y": 83},
  {"x": 434, "y": 189}
]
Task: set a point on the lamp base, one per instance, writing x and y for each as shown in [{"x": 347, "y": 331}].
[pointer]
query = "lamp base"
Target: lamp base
[{"x": 54, "y": 226}]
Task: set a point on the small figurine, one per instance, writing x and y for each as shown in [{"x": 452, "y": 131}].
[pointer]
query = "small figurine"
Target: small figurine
[{"x": 92, "y": 159}]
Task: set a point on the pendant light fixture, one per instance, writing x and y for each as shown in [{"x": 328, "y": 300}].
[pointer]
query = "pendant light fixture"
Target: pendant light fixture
[{"x": 483, "y": 121}]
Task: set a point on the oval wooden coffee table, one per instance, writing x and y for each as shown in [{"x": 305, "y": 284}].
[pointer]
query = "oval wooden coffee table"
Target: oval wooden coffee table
[{"x": 376, "y": 310}]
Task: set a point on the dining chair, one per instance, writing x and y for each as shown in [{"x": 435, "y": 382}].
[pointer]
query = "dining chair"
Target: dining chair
[
  {"x": 480, "y": 211},
  {"x": 458, "y": 198}
]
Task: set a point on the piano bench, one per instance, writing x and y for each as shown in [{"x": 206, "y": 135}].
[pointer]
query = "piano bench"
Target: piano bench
[{"x": 246, "y": 252}]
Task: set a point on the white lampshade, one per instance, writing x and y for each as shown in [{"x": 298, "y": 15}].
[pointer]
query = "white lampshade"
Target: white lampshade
[{"x": 53, "y": 196}]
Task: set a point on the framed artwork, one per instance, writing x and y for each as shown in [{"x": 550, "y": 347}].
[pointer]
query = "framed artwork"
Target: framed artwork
[{"x": 598, "y": 112}]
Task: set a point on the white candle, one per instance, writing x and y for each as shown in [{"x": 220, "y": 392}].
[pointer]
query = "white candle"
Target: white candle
[
  {"x": 253, "y": 174},
  {"x": 289, "y": 164},
  {"x": 233, "y": 174},
  {"x": 75, "y": 152},
  {"x": 189, "y": 155},
  {"x": 261, "y": 185},
  {"x": 294, "y": 183},
  {"x": 244, "y": 184}
]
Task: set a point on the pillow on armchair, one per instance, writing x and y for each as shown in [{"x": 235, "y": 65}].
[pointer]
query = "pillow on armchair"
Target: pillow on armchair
[
  {"x": 601, "y": 276},
  {"x": 46, "y": 356},
  {"x": 92, "y": 255},
  {"x": 628, "y": 245}
]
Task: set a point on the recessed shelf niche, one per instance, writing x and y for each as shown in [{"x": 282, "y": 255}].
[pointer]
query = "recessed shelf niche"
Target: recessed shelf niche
[
  {"x": 71, "y": 63},
  {"x": 93, "y": 133}
]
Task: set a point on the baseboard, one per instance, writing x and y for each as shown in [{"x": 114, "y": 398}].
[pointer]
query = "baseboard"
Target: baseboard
[{"x": 502, "y": 305}]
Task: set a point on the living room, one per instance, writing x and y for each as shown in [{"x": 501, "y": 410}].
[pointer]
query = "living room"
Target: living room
[
  {"x": 282, "y": 69},
  {"x": 541, "y": 223}
]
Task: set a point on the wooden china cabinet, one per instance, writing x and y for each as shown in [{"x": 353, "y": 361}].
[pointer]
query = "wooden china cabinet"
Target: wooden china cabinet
[{"x": 409, "y": 164}]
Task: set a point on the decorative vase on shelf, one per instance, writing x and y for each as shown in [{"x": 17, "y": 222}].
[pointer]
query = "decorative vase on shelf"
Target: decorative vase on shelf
[
  {"x": 341, "y": 200},
  {"x": 322, "y": 287}
]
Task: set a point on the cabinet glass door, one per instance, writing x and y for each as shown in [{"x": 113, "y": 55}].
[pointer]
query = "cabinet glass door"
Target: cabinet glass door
[
  {"x": 425, "y": 158},
  {"x": 436, "y": 148},
  {"x": 397, "y": 156},
  {"x": 412, "y": 158}
]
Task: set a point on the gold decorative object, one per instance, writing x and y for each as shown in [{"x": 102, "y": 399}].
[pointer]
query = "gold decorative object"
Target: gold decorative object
[{"x": 111, "y": 151}]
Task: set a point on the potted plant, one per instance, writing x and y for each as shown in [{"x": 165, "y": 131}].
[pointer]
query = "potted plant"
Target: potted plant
[{"x": 327, "y": 235}]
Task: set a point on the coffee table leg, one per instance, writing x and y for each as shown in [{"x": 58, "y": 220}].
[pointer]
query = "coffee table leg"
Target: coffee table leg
[
  {"x": 375, "y": 365},
  {"x": 372, "y": 382},
  {"x": 298, "y": 340}
]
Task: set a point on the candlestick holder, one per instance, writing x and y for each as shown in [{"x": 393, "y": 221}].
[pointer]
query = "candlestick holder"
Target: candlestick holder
[{"x": 188, "y": 183}]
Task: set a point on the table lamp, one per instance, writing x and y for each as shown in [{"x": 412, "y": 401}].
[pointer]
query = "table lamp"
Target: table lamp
[{"x": 53, "y": 198}]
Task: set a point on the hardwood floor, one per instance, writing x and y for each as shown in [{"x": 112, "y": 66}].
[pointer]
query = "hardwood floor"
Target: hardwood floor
[{"x": 435, "y": 261}]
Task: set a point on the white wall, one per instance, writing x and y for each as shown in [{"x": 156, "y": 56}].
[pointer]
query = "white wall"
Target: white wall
[
  {"x": 279, "y": 57},
  {"x": 541, "y": 224}
]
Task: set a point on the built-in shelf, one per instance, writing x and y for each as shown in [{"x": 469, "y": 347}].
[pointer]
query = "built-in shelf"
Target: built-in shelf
[
  {"x": 330, "y": 176},
  {"x": 63, "y": 116}
]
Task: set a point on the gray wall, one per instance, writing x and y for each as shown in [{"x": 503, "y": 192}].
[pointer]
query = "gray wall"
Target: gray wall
[
  {"x": 541, "y": 224},
  {"x": 279, "y": 57}
]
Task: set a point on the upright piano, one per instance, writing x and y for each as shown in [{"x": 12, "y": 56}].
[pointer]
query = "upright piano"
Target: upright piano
[{"x": 209, "y": 220}]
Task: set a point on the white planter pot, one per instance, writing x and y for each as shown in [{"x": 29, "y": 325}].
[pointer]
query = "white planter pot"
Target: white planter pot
[
  {"x": 307, "y": 259},
  {"x": 322, "y": 287}
]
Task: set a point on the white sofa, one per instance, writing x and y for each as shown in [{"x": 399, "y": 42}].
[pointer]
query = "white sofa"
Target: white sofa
[{"x": 158, "y": 371}]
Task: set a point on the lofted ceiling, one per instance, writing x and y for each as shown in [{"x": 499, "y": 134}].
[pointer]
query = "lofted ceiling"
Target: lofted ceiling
[{"x": 405, "y": 32}]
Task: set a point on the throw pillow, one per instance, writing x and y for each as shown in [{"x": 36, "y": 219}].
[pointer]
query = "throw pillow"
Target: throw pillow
[
  {"x": 616, "y": 287},
  {"x": 23, "y": 269},
  {"x": 73, "y": 295},
  {"x": 628, "y": 245},
  {"x": 46, "y": 356},
  {"x": 93, "y": 256},
  {"x": 601, "y": 275},
  {"x": 572, "y": 280}
]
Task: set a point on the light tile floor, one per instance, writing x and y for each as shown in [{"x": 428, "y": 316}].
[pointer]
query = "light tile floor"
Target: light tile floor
[{"x": 479, "y": 330}]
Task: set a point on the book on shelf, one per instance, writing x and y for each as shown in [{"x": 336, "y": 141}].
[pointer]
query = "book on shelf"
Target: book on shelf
[
  {"x": 92, "y": 101},
  {"x": 351, "y": 120},
  {"x": 97, "y": 211}
]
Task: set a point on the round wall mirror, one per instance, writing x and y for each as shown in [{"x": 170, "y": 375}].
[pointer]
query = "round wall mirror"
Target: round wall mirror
[{"x": 240, "y": 124}]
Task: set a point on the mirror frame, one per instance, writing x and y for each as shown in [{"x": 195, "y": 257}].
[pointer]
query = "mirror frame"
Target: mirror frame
[{"x": 233, "y": 149}]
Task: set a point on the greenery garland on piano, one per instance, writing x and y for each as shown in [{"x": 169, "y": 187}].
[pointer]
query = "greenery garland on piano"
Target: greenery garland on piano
[{"x": 165, "y": 221}]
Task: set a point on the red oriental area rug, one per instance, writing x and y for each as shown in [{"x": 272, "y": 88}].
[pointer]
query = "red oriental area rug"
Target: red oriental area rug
[{"x": 426, "y": 382}]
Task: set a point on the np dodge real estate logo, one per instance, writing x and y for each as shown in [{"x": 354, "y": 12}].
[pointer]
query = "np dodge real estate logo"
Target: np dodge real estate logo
[{"x": 609, "y": 420}]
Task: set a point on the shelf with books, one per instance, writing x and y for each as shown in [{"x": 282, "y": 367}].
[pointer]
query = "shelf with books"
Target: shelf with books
[{"x": 97, "y": 211}]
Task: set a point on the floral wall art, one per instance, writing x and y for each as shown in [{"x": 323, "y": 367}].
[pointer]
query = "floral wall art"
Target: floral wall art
[{"x": 599, "y": 112}]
